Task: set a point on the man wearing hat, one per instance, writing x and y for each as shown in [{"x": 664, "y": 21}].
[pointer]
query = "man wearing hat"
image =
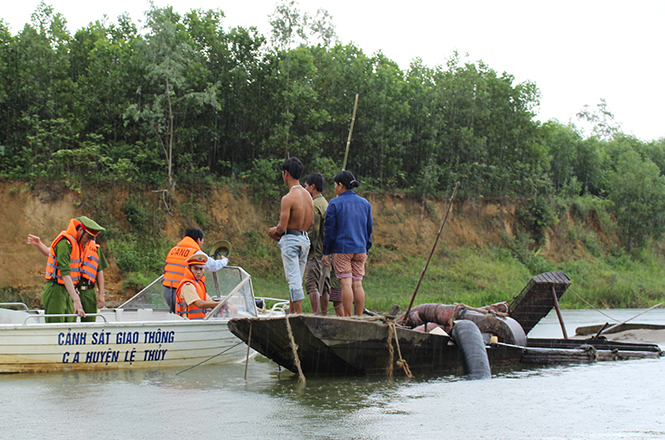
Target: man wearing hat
[
  {"x": 63, "y": 269},
  {"x": 93, "y": 263},
  {"x": 192, "y": 299}
]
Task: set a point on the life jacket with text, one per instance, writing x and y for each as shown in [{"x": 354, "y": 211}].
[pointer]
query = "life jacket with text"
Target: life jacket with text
[
  {"x": 176, "y": 261},
  {"x": 90, "y": 262},
  {"x": 181, "y": 307},
  {"x": 52, "y": 272}
]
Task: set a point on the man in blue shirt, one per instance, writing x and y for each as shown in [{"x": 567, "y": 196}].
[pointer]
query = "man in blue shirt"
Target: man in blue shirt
[{"x": 347, "y": 239}]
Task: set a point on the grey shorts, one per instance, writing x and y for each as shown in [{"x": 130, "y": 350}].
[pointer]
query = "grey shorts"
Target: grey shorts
[{"x": 317, "y": 278}]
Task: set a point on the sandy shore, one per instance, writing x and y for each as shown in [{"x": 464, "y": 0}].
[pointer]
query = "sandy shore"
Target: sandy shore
[
  {"x": 653, "y": 336},
  {"x": 634, "y": 335}
]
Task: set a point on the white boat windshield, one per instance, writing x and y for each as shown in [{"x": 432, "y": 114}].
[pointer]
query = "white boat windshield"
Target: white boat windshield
[{"x": 233, "y": 286}]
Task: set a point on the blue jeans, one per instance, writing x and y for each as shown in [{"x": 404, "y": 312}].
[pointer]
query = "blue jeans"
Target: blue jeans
[{"x": 294, "y": 257}]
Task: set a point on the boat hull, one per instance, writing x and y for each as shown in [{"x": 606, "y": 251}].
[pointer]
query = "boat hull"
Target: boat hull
[
  {"x": 350, "y": 346},
  {"x": 158, "y": 343}
]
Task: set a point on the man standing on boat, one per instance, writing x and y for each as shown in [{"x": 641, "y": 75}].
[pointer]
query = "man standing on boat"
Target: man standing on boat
[
  {"x": 63, "y": 269},
  {"x": 317, "y": 278},
  {"x": 176, "y": 266},
  {"x": 93, "y": 263},
  {"x": 296, "y": 217},
  {"x": 348, "y": 237},
  {"x": 192, "y": 299}
]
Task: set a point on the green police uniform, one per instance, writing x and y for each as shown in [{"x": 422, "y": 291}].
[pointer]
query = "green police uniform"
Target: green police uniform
[{"x": 55, "y": 298}]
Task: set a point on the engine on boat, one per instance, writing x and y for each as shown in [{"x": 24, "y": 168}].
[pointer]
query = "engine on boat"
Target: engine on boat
[{"x": 492, "y": 320}]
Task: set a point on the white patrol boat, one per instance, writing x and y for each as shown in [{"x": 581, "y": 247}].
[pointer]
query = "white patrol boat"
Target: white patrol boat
[{"x": 141, "y": 333}]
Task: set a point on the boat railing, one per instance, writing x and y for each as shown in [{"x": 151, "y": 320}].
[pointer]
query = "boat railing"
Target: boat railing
[
  {"x": 277, "y": 308},
  {"x": 58, "y": 315},
  {"x": 15, "y": 304}
]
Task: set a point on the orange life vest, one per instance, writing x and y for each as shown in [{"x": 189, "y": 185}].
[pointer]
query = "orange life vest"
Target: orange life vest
[
  {"x": 181, "y": 307},
  {"x": 52, "y": 269},
  {"x": 90, "y": 262},
  {"x": 176, "y": 264}
]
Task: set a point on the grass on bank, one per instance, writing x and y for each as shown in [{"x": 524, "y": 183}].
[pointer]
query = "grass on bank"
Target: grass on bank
[
  {"x": 473, "y": 276},
  {"x": 477, "y": 277}
]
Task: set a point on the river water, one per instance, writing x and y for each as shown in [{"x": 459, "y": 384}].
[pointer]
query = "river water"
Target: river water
[{"x": 611, "y": 400}]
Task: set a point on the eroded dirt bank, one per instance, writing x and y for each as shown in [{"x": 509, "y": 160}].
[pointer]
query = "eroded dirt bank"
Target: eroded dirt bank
[{"x": 402, "y": 223}]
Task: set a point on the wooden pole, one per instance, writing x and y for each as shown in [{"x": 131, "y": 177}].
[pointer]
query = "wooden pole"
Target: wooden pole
[
  {"x": 445, "y": 218},
  {"x": 558, "y": 312},
  {"x": 629, "y": 319},
  {"x": 348, "y": 141},
  {"x": 249, "y": 341}
]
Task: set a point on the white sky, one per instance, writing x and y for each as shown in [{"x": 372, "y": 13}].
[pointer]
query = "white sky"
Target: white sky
[{"x": 576, "y": 51}]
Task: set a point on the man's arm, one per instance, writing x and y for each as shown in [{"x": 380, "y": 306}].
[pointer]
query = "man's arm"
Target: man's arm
[
  {"x": 213, "y": 265},
  {"x": 205, "y": 304},
  {"x": 284, "y": 216},
  {"x": 330, "y": 229},
  {"x": 190, "y": 297},
  {"x": 369, "y": 228},
  {"x": 101, "y": 301},
  {"x": 69, "y": 285},
  {"x": 36, "y": 241}
]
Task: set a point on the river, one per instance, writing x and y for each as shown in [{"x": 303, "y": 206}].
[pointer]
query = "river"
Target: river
[{"x": 611, "y": 400}]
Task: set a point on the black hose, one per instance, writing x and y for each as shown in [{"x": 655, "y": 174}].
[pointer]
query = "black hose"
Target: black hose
[{"x": 468, "y": 338}]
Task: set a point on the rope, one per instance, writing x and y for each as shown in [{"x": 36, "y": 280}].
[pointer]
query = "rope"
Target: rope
[
  {"x": 391, "y": 351},
  {"x": 401, "y": 362},
  {"x": 211, "y": 357},
  {"x": 588, "y": 304},
  {"x": 475, "y": 309},
  {"x": 294, "y": 349}
]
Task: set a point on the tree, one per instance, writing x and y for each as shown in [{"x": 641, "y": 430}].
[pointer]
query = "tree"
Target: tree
[
  {"x": 562, "y": 142},
  {"x": 170, "y": 94},
  {"x": 290, "y": 26},
  {"x": 601, "y": 121},
  {"x": 637, "y": 189}
]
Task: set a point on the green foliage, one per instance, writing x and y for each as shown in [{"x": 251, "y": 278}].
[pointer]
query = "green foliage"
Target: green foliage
[
  {"x": 191, "y": 101},
  {"x": 521, "y": 247},
  {"x": 638, "y": 191},
  {"x": 537, "y": 217},
  {"x": 194, "y": 211},
  {"x": 266, "y": 177}
]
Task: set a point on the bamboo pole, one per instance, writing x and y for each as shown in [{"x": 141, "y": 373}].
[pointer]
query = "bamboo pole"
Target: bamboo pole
[
  {"x": 249, "y": 342},
  {"x": 445, "y": 218},
  {"x": 629, "y": 319},
  {"x": 348, "y": 141}
]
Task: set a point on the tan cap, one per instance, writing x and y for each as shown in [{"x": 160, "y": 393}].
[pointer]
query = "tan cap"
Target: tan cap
[{"x": 197, "y": 258}]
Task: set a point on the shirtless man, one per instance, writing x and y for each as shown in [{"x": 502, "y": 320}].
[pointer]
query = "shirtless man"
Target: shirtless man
[{"x": 296, "y": 217}]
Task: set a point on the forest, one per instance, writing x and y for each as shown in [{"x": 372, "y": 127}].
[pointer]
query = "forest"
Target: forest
[{"x": 185, "y": 100}]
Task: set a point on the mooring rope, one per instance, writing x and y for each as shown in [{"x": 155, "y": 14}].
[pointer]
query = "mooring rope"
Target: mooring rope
[
  {"x": 401, "y": 362},
  {"x": 391, "y": 350},
  {"x": 211, "y": 357},
  {"x": 294, "y": 349},
  {"x": 588, "y": 304}
]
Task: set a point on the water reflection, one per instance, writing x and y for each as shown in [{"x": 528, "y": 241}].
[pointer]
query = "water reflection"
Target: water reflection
[{"x": 609, "y": 400}]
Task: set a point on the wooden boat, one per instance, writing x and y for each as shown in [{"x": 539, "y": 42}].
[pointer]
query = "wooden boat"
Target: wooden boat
[
  {"x": 324, "y": 345},
  {"x": 141, "y": 333},
  {"x": 328, "y": 345},
  {"x": 594, "y": 329}
]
